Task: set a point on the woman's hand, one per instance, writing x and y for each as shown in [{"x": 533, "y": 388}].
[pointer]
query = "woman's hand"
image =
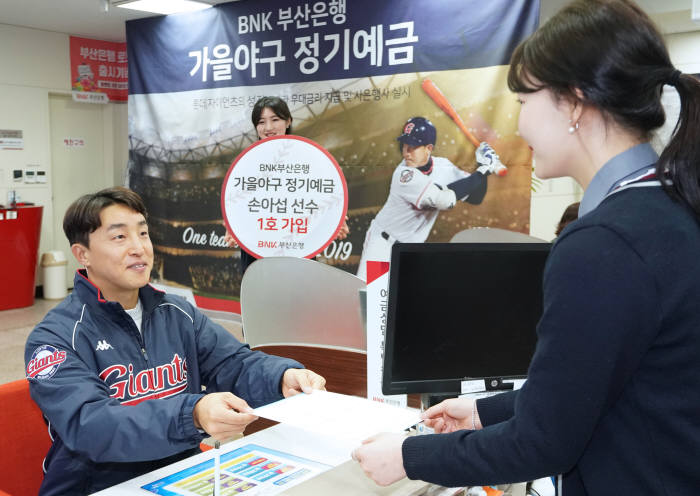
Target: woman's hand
[
  {"x": 453, "y": 415},
  {"x": 230, "y": 242},
  {"x": 381, "y": 458},
  {"x": 344, "y": 230}
]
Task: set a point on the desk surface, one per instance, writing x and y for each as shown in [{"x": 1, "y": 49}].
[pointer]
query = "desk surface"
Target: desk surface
[
  {"x": 295, "y": 442},
  {"x": 279, "y": 437},
  {"x": 344, "y": 479}
]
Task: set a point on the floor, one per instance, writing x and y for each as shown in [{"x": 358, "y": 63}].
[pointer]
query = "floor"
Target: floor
[{"x": 16, "y": 324}]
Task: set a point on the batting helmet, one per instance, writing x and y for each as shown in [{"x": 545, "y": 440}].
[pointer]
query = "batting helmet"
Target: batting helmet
[{"x": 418, "y": 131}]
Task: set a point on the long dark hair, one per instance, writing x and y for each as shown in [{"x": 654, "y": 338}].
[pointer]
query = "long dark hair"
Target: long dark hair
[
  {"x": 611, "y": 51},
  {"x": 277, "y": 105}
]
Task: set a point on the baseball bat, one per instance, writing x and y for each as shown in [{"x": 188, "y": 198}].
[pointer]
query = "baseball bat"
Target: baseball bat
[{"x": 436, "y": 95}]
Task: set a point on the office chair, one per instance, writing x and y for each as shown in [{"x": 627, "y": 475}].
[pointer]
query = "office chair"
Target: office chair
[
  {"x": 310, "y": 312},
  {"x": 493, "y": 235},
  {"x": 299, "y": 301},
  {"x": 24, "y": 440}
]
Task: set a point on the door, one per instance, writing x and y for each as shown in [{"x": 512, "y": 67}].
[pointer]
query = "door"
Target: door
[{"x": 77, "y": 159}]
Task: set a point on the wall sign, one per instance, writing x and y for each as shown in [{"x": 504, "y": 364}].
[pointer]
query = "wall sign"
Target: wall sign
[
  {"x": 11, "y": 139},
  {"x": 98, "y": 70}
]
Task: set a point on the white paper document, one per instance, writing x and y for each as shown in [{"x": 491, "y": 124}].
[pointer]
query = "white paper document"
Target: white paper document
[{"x": 350, "y": 418}]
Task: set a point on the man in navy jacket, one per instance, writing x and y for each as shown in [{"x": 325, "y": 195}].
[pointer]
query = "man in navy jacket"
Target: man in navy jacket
[{"x": 131, "y": 378}]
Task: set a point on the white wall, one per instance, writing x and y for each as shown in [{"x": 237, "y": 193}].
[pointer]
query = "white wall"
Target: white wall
[
  {"x": 35, "y": 63},
  {"x": 685, "y": 50},
  {"x": 548, "y": 202},
  {"x": 120, "y": 142},
  {"x": 553, "y": 196}
]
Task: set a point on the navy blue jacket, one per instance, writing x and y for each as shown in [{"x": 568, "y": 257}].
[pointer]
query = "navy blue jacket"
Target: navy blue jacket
[
  {"x": 612, "y": 399},
  {"x": 120, "y": 403}
]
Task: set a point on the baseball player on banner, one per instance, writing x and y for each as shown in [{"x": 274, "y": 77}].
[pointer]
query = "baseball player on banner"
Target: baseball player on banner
[{"x": 421, "y": 186}]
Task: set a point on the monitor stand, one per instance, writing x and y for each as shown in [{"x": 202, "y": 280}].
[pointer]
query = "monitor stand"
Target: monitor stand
[
  {"x": 430, "y": 399},
  {"x": 491, "y": 385}
]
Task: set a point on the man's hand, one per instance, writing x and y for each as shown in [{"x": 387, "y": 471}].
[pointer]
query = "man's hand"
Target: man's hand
[
  {"x": 295, "y": 381},
  {"x": 452, "y": 415},
  {"x": 222, "y": 415},
  {"x": 381, "y": 458}
]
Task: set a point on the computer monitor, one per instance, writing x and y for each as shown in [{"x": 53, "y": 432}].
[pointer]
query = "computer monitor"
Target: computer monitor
[{"x": 459, "y": 312}]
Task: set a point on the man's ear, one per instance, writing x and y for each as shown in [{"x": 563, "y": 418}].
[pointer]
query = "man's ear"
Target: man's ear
[
  {"x": 430, "y": 148},
  {"x": 81, "y": 253}
]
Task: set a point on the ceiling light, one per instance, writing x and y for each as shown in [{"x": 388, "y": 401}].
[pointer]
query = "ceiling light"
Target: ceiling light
[{"x": 163, "y": 6}]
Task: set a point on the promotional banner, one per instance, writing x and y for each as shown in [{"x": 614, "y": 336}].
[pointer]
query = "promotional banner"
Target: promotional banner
[
  {"x": 352, "y": 74},
  {"x": 377, "y": 306},
  {"x": 99, "y": 70}
]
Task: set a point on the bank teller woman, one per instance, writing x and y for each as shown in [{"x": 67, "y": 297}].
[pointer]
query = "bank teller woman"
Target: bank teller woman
[
  {"x": 613, "y": 391},
  {"x": 271, "y": 117}
]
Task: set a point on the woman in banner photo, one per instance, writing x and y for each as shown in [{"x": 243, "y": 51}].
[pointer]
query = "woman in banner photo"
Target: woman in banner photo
[
  {"x": 421, "y": 186},
  {"x": 612, "y": 397},
  {"x": 271, "y": 117}
]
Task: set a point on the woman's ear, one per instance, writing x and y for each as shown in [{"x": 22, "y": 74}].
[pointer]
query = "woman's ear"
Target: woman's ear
[{"x": 576, "y": 107}]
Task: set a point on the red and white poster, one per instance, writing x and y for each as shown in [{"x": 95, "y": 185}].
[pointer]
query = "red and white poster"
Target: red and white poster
[
  {"x": 98, "y": 70},
  {"x": 377, "y": 304}
]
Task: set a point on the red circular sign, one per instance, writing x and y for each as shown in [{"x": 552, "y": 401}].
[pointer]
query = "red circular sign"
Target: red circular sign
[{"x": 284, "y": 196}]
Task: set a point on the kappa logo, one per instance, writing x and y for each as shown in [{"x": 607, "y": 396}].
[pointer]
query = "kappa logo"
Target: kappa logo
[
  {"x": 103, "y": 345},
  {"x": 45, "y": 362},
  {"x": 406, "y": 176}
]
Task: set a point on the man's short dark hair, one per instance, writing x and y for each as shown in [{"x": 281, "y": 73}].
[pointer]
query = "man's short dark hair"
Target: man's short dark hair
[
  {"x": 83, "y": 215},
  {"x": 570, "y": 214}
]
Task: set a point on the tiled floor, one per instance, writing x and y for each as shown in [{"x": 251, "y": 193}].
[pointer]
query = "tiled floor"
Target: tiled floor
[{"x": 16, "y": 324}]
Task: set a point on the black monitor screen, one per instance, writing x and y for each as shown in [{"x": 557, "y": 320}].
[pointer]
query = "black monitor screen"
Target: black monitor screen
[{"x": 460, "y": 311}]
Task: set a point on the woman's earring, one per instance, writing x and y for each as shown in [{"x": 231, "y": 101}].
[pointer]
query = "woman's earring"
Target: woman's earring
[{"x": 573, "y": 128}]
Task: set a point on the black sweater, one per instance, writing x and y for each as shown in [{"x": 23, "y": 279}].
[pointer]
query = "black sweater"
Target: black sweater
[{"x": 612, "y": 399}]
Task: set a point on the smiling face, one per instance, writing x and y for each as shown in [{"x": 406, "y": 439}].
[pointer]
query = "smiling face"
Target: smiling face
[
  {"x": 544, "y": 122},
  {"x": 270, "y": 124},
  {"x": 120, "y": 256}
]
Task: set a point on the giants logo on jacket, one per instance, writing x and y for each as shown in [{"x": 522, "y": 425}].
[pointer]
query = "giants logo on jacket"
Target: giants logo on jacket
[
  {"x": 160, "y": 382},
  {"x": 45, "y": 362}
]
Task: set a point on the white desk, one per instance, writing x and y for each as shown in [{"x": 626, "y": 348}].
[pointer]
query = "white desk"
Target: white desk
[
  {"x": 279, "y": 437},
  {"x": 344, "y": 479}
]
